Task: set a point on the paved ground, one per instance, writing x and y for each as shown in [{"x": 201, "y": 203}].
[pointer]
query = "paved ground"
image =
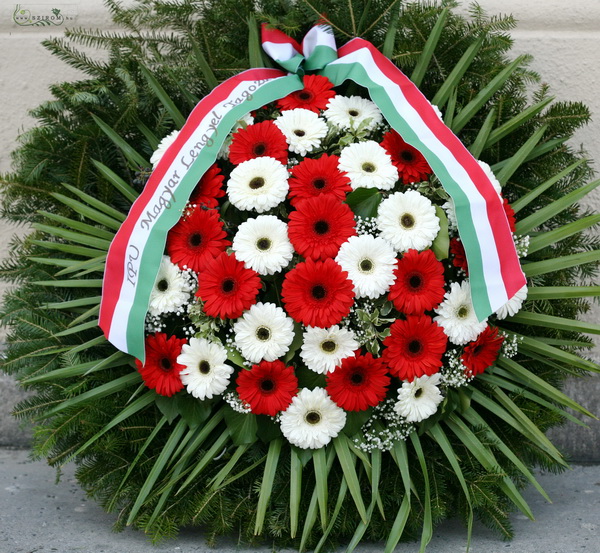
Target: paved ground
[{"x": 38, "y": 516}]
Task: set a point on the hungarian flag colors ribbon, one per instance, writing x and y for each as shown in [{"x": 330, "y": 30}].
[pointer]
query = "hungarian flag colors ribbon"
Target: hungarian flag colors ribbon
[{"x": 135, "y": 254}]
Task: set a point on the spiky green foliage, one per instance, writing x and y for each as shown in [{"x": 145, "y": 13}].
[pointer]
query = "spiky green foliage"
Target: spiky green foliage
[{"x": 163, "y": 464}]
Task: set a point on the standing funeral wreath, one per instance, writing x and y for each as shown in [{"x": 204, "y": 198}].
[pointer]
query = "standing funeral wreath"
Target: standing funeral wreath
[{"x": 337, "y": 276}]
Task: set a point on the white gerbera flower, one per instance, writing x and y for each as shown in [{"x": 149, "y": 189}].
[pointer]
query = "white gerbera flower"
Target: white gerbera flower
[
  {"x": 456, "y": 315},
  {"x": 162, "y": 147},
  {"x": 303, "y": 129},
  {"x": 513, "y": 305},
  {"x": 263, "y": 244},
  {"x": 419, "y": 399},
  {"x": 206, "y": 374},
  {"x": 450, "y": 210},
  {"x": 312, "y": 419},
  {"x": 370, "y": 262},
  {"x": 368, "y": 165},
  {"x": 323, "y": 349},
  {"x": 171, "y": 289},
  {"x": 263, "y": 332},
  {"x": 491, "y": 176},
  {"x": 407, "y": 220},
  {"x": 259, "y": 184},
  {"x": 344, "y": 111},
  {"x": 242, "y": 123}
]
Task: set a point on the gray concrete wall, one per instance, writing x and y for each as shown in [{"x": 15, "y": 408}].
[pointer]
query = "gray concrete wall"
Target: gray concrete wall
[{"x": 563, "y": 37}]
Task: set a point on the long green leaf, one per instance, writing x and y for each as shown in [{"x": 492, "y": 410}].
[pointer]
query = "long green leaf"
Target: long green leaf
[
  {"x": 520, "y": 156},
  {"x": 527, "y": 198},
  {"x": 320, "y": 466},
  {"x": 163, "y": 97},
  {"x": 400, "y": 455},
  {"x": 427, "y": 531},
  {"x": 343, "y": 491},
  {"x": 205, "y": 68},
  {"x": 546, "y": 239},
  {"x": 76, "y": 237},
  {"x": 95, "y": 202},
  {"x": 86, "y": 283},
  {"x": 553, "y": 208},
  {"x": 80, "y": 302},
  {"x": 77, "y": 329},
  {"x": 135, "y": 159},
  {"x": 550, "y": 321},
  {"x": 295, "y": 490},
  {"x": 254, "y": 47},
  {"x": 218, "y": 479},
  {"x": 71, "y": 249},
  {"x": 538, "y": 151},
  {"x": 74, "y": 225},
  {"x": 390, "y": 34},
  {"x": 89, "y": 265},
  {"x": 266, "y": 486},
  {"x": 347, "y": 462},
  {"x": 432, "y": 41},
  {"x": 560, "y": 292},
  {"x": 471, "y": 109},
  {"x": 536, "y": 268},
  {"x": 88, "y": 211},
  {"x": 482, "y": 136},
  {"x": 118, "y": 183}
]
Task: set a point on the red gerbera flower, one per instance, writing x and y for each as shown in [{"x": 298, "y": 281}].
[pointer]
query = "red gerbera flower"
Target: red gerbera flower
[
  {"x": 226, "y": 287},
  {"x": 161, "y": 371},
  {"x": 313, "y": 177},
  {"x": 414, "y": 347},
  {"x": 320, "y": 225},
  {"x": 459, "y": 257},
  {"x": 510, "y": 214},
  {"x": 209, "y": 188},
  {"x": 315, "y": 95},
  {"x": 267, "y": 387},
  {"x": 419, "y": 284},
  {"x": 361, "y": 382},
  {"x": 258, "y": 140},
  {"x": 317, "y": 293},
  {"x": 197, "y": 237},
  {"x": 483, "y": 352},
  {"x": 411, "y": 165}
]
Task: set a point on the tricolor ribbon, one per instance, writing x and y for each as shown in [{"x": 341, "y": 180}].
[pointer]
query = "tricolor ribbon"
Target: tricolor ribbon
[{"x": 135, "y": 254}]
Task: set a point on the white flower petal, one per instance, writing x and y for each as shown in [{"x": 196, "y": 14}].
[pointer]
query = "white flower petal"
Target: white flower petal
[
  {"x": 302, "y": 128},
  {"x": 513, "y": 306},
  {"x": 368, "y": 165},
  {"x": 162, "y": 147},
  {"x": 419, "y": 399},
  {"x": 171, "y": 289},
  {"x": 323, "y": 349},
  {"x": 346, "y": 111}
]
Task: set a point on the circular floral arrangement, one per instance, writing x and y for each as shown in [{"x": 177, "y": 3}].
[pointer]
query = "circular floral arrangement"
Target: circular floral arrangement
[{"x": 313, "y": 368}]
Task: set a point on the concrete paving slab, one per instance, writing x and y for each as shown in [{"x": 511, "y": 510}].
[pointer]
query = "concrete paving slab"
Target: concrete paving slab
[{"x": 38, "y": 516}]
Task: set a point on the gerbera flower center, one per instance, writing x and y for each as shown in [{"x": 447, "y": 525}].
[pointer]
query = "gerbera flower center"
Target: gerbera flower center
[
  {"x": 313, "y": 417},
  {"x": 195, "y": 239},
  {"x": 256, "y": 183},
  {"x": 263, "y": 333},
  {"x": 263, "y": 244},
  {"x": 228, "y": 285},
  {"x": 319, "y": 184},
  {"x": 415, "y": 281},
  {"x": 165, "y": 364},
  {"x": 353, "y": 112},
  {"x": 299, "y": 132},
  {"x": 477, "y": 350},
  {"x": 356, "y": 378},
  {"x": 305, "y": 95},
  {"x": 368, "y": 167},
  {"x": 415, "y": 346},
  {"x": 407, "y": 156},
  {"x": 259, "y": 149},
  {"x": 321, "y": 227},
  {"x": 462, "y": 312},
  {"x": 328, "y": 346},
  {"x": 418, "y": 392},
  {"x": 204, "y": 367},
  {"x": 163, "y": 285},
  {"x": 318, "y": 292},
  {"x": 267, "y": 385},
  {"x": 366, "y": 265},
  {"x": 407, "y": 221}
]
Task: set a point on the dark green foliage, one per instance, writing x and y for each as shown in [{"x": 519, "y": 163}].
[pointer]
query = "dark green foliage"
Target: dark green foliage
[{"x": 187, "y": 47}]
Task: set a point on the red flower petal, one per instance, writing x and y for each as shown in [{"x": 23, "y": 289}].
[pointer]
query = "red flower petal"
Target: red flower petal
[
  {"x": 415, "y": 347},
  {"x": 459, "y": 257},
  {"x": 226, "y": 287},
  {"x": 411, "y": 165},
  {"x": 317, "y": 293},
  {"x": 315, "y": 95},
  {"x": 161, "y": 371},
  {"x": 419, "y": 284},
  {"x": 209, "y": 189},
  {"x": 510, "y": 214},
  {"x": 258, "y": 140},
  {"x": 320, "y": 225},
  {"x": 483, "y": 352},
  {"x": 267, "y": 387},
  {"x": 361, "y": 382}
]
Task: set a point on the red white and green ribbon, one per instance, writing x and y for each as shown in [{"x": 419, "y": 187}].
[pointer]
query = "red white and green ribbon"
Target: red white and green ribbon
[{"x": 135, "y": 254}]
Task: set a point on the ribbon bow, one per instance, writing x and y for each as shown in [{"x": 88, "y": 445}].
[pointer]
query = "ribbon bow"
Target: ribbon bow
[{"x": 135, "y": 254}]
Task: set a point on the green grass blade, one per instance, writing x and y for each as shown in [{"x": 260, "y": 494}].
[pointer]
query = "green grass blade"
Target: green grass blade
[
  {"x": 560, "y": 292},
  {"x": 163, "y": 97},
  {"x": 347, "y": 462},
  {"x": 425, "y": 58},
  {"x": 320, "y": 466},
  {"x": 513, "y": 163},
  {"x": 550, "y": 321},
  {"x": 536, "y": 268},
  {"x": 135, "y": 159},
  {"x": 118, "y": 183},
  {"x": 471, "y": 109},
  {"x": 266, "y": 486},
  {"x": 159, "y": 465},
  {"x": 526, "y": 199},
  {"x": 295, "y": 490},
  {"x": 483, "y": 135},
  {"x": 553, "y": 208},
  {"x": 444, "y": 92},
  {"x": 546, "y": 239}
]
